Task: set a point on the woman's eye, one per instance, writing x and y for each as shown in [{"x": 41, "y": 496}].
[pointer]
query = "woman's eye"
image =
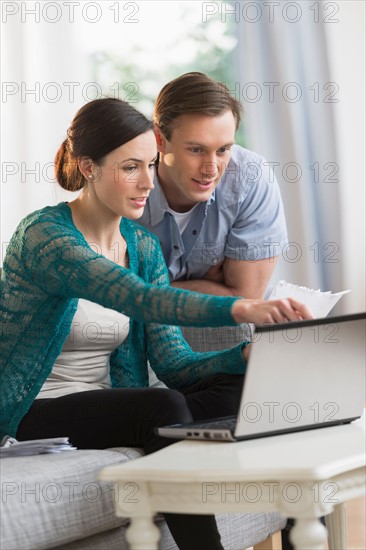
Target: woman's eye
[
  {"x": 129, "y": 169},
  {"x": 152, "y": 165}
]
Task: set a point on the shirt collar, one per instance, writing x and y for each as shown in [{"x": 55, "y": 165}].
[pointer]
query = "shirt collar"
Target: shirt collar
[{"x": 159, "y": 205}]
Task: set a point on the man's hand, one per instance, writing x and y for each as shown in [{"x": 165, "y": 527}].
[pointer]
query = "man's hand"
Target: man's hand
[
  {"x": 215, "y": 274},
  {"x": 206, "y": 285},
  {"x": 261, "y": 312},
  {"x": 248, "y": 278},
  {"x": 233, "y": 278}
]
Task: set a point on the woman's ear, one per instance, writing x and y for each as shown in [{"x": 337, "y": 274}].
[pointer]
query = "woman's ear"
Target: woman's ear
[
  {"x": 85, "y": 165},
  {"x": 160, "y": 139}
]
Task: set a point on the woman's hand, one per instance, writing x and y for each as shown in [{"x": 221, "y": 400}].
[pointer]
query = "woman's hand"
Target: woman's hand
[
  {"x": 261, "y": 312},
  {"x": 245, "y": 352}
]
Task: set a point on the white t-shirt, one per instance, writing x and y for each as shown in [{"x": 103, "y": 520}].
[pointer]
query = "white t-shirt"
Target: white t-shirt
[
  {"x": 83, "y": 363},
  {"x": 182, "y": 218}
]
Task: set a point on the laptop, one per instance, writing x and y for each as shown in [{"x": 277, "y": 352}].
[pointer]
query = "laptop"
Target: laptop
[{"x": 300, "y": 375}]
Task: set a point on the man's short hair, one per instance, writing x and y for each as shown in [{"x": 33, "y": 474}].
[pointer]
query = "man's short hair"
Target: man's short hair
[{"x": 193, "y": 92}]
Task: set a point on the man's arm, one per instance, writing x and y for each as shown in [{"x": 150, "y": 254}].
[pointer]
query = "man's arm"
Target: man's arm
[{"x": 234, "y": 278}]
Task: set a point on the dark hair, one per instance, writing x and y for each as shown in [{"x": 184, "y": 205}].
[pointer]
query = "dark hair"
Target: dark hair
[
  {"x": 193, "y": 93},
  {"x": 98, "y": 128}
]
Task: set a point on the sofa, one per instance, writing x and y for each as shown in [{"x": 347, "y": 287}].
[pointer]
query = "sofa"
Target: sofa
[{"x": 55, "y": 500}]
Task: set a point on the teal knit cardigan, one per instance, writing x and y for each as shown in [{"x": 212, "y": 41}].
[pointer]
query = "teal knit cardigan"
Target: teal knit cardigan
[{"x": 49, "y": 265}]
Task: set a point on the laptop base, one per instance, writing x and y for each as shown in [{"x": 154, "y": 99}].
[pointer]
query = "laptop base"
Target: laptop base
[{"x": 193, "y": 431}]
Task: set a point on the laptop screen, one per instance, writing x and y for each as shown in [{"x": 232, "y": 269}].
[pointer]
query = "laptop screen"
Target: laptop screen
[{"x": 304, "y": 374}]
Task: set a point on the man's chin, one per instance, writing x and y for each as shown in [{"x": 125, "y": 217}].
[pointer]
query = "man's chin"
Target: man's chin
[{"x": 202, "y": 195}]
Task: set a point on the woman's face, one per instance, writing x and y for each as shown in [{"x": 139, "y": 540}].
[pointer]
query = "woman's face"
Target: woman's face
[{"x": 123, "y": 182}]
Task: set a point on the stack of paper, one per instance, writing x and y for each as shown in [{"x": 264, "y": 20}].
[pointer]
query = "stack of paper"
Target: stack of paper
[
  {"x": 319, "y": 303},
  {"x": 12, "y": 447}
]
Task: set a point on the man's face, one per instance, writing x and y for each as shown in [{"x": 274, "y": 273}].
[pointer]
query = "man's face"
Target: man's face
[{"x": 193, "y": 161}]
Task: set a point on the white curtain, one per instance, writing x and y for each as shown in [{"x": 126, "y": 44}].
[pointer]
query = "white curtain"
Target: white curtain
[
  {"x": 42, "y": 74},
  {"x": 293, "y": 85}
]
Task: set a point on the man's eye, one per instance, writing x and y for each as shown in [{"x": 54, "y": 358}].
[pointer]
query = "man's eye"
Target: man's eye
[
  {"x": 223, "y": 150},
  {"x": 196, "y": 149}
]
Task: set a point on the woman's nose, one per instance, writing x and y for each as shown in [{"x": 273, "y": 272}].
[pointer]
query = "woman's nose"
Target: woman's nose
[{"x": 146, "y": 180}]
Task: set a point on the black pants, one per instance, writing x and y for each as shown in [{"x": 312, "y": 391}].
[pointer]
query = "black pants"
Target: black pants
[{"x": 127, "y": 417}]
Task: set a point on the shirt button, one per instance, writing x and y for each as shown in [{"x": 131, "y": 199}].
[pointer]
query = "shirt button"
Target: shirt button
[
  {"x": 215, "y": 260},
  {"x": 194, "y": 232},
  {"x": 176, "y": 247}
]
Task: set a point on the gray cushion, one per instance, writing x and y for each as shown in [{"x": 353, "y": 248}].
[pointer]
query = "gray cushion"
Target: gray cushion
[
  {"x": 238, "y": 531},
  {"x": 49, "y": 500},
  {"x": 217, "y": 338}
]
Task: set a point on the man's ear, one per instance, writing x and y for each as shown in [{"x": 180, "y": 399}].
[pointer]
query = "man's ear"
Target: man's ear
[
  {"x": 85, "y": 165},
  {"x": 160, "y": 139}
]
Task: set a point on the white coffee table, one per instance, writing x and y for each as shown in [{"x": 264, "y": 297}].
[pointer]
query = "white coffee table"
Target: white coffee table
[{"x": 302, "y": 475}]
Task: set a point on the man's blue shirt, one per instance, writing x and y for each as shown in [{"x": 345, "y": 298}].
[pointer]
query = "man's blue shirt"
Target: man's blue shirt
[{"x": 242, "y": 220}]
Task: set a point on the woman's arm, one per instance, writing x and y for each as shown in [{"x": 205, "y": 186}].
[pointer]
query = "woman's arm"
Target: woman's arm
[
  {"x": 59, "y": 263},
  {"x": 178, "y": 366}
]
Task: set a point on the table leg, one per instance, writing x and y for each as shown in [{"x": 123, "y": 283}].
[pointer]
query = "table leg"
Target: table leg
[
  {"x": 336, "y": 524},
  {"x": 308, "y": 533},
  {"x": 143, "y": 534}
]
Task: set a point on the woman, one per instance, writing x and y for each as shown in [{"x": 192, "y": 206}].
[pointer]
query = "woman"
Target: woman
[{"x": 84, "y": 294}]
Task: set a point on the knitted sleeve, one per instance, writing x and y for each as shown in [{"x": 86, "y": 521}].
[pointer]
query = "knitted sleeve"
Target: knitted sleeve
[
  {"x": 178, "y": 366},
  {"x": 170, "y": 356},
  {"x": 59, "y": 262}
]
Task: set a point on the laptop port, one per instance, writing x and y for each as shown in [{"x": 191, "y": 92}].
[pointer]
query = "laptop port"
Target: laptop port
[
  {"x": 197, "y": 434},
  {"x": 207, "y": 435}
]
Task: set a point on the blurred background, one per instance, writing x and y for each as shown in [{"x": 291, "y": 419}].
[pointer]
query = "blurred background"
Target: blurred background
[{"x": 297, "y": 68}]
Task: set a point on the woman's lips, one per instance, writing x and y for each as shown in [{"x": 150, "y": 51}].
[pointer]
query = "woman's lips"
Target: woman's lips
[{"x": 139, "y": 201}]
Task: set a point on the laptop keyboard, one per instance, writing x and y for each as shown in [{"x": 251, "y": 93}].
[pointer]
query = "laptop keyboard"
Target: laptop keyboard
[{"x": 227, "y": 423}]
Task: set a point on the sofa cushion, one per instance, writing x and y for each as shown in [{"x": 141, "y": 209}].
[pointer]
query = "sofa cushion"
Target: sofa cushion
[
  {"x": 238, "y": 531},
  {"x": 217, "y": 338},
  {"x": 49, "y": 500}
]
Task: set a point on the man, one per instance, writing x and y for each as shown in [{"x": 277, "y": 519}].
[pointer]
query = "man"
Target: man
[{"x": 216, "y": 207}]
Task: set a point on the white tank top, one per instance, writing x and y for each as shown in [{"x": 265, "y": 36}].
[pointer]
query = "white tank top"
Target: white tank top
[{"x": 83, "y": 363}]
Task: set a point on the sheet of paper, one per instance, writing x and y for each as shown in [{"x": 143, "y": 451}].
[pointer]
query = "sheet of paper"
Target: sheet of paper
[
  {"x": 11, "y": 447},
  {"x": 320, "y": 303}
]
